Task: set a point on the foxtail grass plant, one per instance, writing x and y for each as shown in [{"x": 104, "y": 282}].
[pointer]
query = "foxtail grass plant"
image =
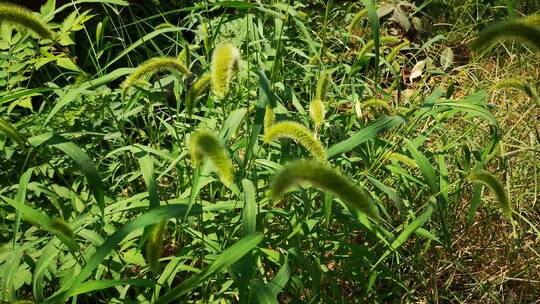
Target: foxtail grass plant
[
  {"x": 515, "y": 30},
  {"x": 521, "y": 86}
]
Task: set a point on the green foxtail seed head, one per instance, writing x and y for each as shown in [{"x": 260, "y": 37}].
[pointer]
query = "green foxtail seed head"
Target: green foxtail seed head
[
  {"x": 519, "y": 85},
  {"x": 322, "y": 85},
  {"x": 356, "y": 19},
  {"x": 532, "y": 19},
  {"x": 269, "y": 117},
  {"x": 371, "y": 43},
  {"x": 515, "y": 30},
  {"x": 298, "y": 133},
  {"x": 224, "y": 61},
  {"x": 495, "y": 185},
  {"x": 204, "y": 144},
  {"x": 402, "y": 158},
  {"x": 374, "y": 102},
  {"x": 60, "y": 225},
  {"x": 317, "y": 112},
  {"x": 195, "y": 92},
  {"x": 358, "y": 109},
  {"x": 154, "y": 245},
  {"x": 21, "y": 16},
  {"x": 328, "y": 179},
  {"x": 152, "y": 66},
  {"x": 396, "y": 49}
]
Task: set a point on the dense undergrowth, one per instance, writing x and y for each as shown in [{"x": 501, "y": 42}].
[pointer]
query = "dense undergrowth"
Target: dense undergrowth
[{"x": 211, "y": 151}]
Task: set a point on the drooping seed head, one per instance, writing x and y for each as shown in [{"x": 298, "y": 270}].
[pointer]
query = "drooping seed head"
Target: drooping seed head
[
  {"x": 154, "y": 245},
  {"x": 515, "y": 30},
  {"x": 298, "y": 133},
  {"x": 322, "y": 85},
  {"x": 396, "y": 50},
  {"x": 371, "y": 43},
  {"x": 205, "y": 145},
  {"x": 269, "y": 117},
  {"x": 23, "y": 17},
  {"x": 356, "y": 19},
  {"x": 152, "y": 66},
  {"x": 519, "y": 85},
  {"x": 195, "y": 92},
  {"x": 495, "y": 185},
  {"x": 328, "y": 179}
]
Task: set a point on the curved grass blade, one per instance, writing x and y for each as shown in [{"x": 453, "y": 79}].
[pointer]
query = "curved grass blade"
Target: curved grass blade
[
  {"x": 416, "y": 224},
  {"x": 427, "y": 169},
  {"x": 228, "y": 257},
  {"x": 249, "y": 213},
  {"x": 280, "y": 280},
  {"x": 374, "y": 18},
  {"x": 87, "y": 287},
  {"x": 147, "y": 167},
  {"x": 80, "y": 157},
  {"x": 20, "y": 198},
  {"x": 71, "y": 94},
  {"x": 47, "y": 257}
]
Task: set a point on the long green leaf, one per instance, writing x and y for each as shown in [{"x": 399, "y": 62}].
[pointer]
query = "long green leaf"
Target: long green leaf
[{"x": 367, "y": 133}]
